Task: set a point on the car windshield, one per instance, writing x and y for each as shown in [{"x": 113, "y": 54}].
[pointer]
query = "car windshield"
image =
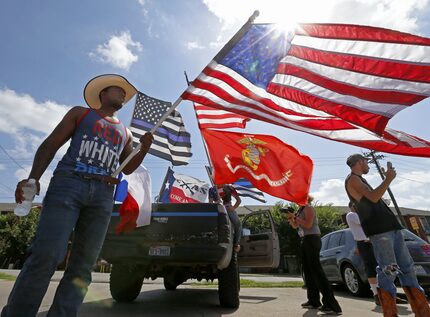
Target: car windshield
[{"x": 409, "y": 236}]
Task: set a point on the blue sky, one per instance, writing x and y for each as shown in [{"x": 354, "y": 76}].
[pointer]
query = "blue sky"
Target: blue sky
[{"x": 51, "y": 48}]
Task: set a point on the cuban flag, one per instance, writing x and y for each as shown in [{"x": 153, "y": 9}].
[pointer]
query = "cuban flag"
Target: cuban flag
[{"x": 134, "y": 191}]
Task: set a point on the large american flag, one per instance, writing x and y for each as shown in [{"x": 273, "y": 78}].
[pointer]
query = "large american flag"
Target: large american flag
[
  {"x": 340, "y": 82},
  {"x": 212, "y": 118},
  {"x": 171, "y": 141}
]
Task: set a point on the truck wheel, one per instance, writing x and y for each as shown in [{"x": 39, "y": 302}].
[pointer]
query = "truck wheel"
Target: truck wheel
[
  {"x": 169, "y": 284},
  {"x": 228, "y": 284},
  {"x": 125, "y": 283}
]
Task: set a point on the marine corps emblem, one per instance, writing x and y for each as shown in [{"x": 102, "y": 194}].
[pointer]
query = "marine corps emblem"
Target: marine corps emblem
[{"x": 254, "y": 149}]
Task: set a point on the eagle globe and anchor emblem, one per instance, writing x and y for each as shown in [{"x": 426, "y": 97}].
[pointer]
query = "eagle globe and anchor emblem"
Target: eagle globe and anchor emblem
[{"x": 251, "y": 156}]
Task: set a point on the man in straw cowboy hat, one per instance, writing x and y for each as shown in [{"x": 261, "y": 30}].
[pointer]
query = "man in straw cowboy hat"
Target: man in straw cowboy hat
[{"x": 79, "y": 197}]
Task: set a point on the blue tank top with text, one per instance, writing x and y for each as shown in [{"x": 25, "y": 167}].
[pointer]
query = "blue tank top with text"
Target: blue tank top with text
[{"x": 95, "y": 146}]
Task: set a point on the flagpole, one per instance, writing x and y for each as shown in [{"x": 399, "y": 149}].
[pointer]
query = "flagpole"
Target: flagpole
[
  {"x": 137, "y": 149},
  {"x": 239, "y": 34},
  {"x": 163, "y": 184},
  {"x": 203, "y": 140},
  {"x": 233, "y": 41},
  {"x": 396, "y": 207}
]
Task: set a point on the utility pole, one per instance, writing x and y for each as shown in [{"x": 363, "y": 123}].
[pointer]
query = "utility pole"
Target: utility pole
[{"x": 374, "y": 160}]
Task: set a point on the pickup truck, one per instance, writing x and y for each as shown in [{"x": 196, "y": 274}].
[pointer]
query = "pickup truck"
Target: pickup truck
[{"x": 188, "y": 241}]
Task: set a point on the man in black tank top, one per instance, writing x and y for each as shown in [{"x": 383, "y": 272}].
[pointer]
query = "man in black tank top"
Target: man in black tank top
[{"x": 383, "y": 229}]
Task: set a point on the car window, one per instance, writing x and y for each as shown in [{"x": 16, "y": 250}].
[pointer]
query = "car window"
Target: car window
[
  {"x": 334, "y": 240},
  {"x": 258, "y": 223},
  {"x": 342, "y": 239},
  {"x": 409, "y": 236},
  {"x": 324, "y": 241}
]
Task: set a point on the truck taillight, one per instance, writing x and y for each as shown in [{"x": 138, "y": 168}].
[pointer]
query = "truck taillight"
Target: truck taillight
[{"x": 356, "y": 252}]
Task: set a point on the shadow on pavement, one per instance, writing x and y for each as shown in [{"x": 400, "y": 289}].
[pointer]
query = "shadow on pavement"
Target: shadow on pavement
[
  {"x": 340, "y": 291},
  {"x": 182, "y": 302},
  {"x": 255, "y": 299}
]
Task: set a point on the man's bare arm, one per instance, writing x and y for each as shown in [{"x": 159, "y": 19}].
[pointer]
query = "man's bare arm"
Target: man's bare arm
[
  {"x": 238, "y": 200},
  {"x": 46, "y": 151},
  {"x": 358, "y": 189},
  {"x": 307, "y": 222},
  {"x": 61, "y": 134}
]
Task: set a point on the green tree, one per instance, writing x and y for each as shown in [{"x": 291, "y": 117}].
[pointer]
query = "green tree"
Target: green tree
[
  {"x": 329, "y": 218},
  {"x": 16, "y": 235}
]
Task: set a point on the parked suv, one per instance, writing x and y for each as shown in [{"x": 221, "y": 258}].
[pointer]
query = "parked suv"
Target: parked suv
[{"x": 342, "y": 263}]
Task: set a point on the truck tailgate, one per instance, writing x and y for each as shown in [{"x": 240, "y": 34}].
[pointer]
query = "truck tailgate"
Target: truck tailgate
[{"x": 177, "y": 233}]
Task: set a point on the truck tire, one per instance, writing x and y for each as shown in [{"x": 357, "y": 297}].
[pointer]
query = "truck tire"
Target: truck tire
[
  {"x": 169, "y": 284},
  {"x": 125, "y": 283},
  {"x": 229, "y": 284}
]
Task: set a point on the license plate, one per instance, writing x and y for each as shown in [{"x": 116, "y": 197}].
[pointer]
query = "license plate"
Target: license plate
[{"x": 159, "y": 251}]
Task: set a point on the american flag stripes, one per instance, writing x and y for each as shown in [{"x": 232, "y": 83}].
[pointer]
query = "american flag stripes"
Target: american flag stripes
[
  {"x": 341, "y": 82},
  {"x": 171, "y": 141},
  {"x": 212, "y": 118}
]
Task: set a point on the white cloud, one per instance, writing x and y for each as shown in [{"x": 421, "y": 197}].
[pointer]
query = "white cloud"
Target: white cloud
[
  {"x": 194, "y": 46},
  {"x": 396, "y": 14},
  {"x": 19, "y": 112},
  {"x": 119, "y": 51},
  {"x": 410, "y": 189},
  {"x": 218, "y": 43},
  {"x": 144, "y": 10},
  {"x": 331, "y": 191},
  {"x": 27, "y": 122}
]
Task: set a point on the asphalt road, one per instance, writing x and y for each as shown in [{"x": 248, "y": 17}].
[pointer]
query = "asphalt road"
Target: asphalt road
[{"x": 189, "y": 300}]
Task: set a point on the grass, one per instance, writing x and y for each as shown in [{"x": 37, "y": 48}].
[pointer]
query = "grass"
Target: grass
[
  {"x": 244, "y": 283},
  {"x": 7, "y": 277}
]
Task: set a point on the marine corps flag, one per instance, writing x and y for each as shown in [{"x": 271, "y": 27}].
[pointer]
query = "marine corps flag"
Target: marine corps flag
[{"x": 269, "y": 164}]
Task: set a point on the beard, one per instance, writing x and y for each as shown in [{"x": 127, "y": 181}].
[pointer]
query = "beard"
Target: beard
[{"x": 117, "y": 105}]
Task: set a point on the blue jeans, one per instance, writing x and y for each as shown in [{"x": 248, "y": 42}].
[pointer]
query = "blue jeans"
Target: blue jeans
[
  {"x": 391, "y": 252},
  {"x": 71, "y": 204},
  {"x": 234, "y": 218}
]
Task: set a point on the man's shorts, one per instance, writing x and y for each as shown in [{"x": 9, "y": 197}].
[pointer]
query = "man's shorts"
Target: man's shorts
[{"x": 366, "y": 253}]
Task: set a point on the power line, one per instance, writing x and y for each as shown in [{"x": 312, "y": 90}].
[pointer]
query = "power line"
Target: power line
[{"x": 12, "y": 158}]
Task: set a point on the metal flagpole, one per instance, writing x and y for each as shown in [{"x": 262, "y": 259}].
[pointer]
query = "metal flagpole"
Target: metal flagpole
[
  {"x": 220, "y": 55},
  {"x": 136, "y": 150},
  {"x": 203, "y": 140},
  {"x": 396, "y": 207},
  {"x": 164, "y": 183}
]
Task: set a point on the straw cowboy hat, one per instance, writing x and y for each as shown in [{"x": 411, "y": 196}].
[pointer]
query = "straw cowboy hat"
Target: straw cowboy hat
[{"x": 97, "y": 84}]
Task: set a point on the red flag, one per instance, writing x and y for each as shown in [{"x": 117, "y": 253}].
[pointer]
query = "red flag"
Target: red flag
[
  {"x": 268, "y": 163},
  {"x": 209, "y": 118}
]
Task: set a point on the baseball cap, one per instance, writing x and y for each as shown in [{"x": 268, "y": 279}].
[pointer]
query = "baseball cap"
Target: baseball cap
[{"x": 354, "y": 158}]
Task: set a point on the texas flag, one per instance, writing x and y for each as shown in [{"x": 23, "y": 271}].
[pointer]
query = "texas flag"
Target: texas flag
[
  {"x": 135, "y": 193},
  {"x": 180, "y": 188}
]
